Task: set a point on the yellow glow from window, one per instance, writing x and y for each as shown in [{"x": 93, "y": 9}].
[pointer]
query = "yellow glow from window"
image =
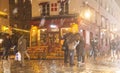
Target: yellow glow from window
[
  {"x": 74, "y": 28},
  {"x": 4, "y": 28},
  {"x": 3, "y": 13}
]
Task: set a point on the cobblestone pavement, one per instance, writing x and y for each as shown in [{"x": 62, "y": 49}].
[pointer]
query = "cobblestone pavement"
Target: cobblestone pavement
[{"x": 57, "y": 66}]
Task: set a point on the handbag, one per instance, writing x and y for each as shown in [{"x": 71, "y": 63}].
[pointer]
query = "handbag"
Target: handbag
[{"x": 18, "y": 56}]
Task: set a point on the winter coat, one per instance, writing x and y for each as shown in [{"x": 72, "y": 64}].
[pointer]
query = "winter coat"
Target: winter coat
[
  {"x": 80, "y": 47},
  {"x": 64, "y": 46},
  {"x": 113, "y": 45},
  {"x": 7, "y": 43},
  {"x": 72, "y": 45},
  {"x": 22, "y": 44}
]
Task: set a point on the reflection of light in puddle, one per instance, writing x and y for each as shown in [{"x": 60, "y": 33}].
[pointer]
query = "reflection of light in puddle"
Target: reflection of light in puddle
[{"x": 117, "y": 71}]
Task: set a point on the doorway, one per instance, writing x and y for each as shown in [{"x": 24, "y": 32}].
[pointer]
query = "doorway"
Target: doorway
[{"x": 53, "y": 41}]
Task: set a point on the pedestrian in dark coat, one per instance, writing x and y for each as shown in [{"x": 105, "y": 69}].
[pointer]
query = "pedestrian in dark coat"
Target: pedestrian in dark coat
[
  {"x": 80, "y": 50},
  {"x": 94, "y": 45},
  {"x": 15, "y": 42},
  {"x": 6, "y": 44},
  {"x": 113, "y": 49},
  {"x": 72, "y": 42},
  {"x": 65, "y": 47},
  {"x": 22, "y": 48}
]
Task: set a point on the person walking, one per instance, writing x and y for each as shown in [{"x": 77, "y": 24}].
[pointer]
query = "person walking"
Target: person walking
[
  {"x": 72, "y": 42},
  {"x": 80, "y": 50},
  {"x": 65, "y": 49},
  {"x": 113, "y": 49},
  {"x": 6, "y": 44},
  {"x": 15, "y": 42},
  {"x": 22, "y": 48},
  {"x": 94, "y": 50}
]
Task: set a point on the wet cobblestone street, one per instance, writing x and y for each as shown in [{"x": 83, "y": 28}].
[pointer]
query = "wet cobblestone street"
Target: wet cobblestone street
[{"x": 57, "y": 66}]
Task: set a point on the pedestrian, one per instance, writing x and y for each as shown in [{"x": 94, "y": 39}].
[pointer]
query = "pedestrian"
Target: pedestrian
[
  {"x": 15, "y": 42},
  {"x": 113, "y": 49},
  {"x": 94, "y": 46},
  {"x": 72, "y": 42},
  {"x": 65, "y": 49},
  {"x": 80, "y": 50},
  {"x": 22, "y": 48},
  {"x": 6, "y": 44}
]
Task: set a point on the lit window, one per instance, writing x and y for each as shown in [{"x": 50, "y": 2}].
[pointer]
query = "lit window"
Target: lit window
[
  {"x": 45, "y": 8},
  {"x": 64, "y": 7},
  {"x": 54, "y": 7}
]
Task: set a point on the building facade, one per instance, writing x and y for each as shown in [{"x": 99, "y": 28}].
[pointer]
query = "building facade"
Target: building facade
[
  {"x": 101, "y": 19},
  {"x": 20, "y": 13},
  {"x": 15, "y": 13},
  {"x": 4, "y": 12}
]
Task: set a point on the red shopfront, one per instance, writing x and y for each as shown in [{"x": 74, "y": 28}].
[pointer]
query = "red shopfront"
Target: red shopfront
[{"x": 52, "y": 30}]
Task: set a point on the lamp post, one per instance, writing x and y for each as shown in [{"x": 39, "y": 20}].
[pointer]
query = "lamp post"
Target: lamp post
[{"x": 86, "y": 13}]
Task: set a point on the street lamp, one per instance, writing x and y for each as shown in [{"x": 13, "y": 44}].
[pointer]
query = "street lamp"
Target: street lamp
[
  {"x": 6, "y": 29},
  {"x": 87, "y": 14}
]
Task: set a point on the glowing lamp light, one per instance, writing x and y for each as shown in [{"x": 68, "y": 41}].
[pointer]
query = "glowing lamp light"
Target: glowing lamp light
[
  {"x": 53, "y": 26},
  {"x": 4, "y": 28},
  {"x": 1, "y": 40},
  {"x": 87, "y": 14},
  {"x": 3, "y": 13},
  {"x": 34, "y": 30}
]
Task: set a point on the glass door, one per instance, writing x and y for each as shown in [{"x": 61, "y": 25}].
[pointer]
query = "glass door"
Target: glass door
[{"x": 53, "y": 40}]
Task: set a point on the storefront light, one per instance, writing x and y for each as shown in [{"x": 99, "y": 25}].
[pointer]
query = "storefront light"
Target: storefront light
[
  {"x": 4, "y": 28},
  {"x": 53, "y": 26},
  {"x": 67, "y": 29},
  {"x": 43, "y": 30},
  {"x": 1, "y": 40},
  {"x": 81, "y": 30}
]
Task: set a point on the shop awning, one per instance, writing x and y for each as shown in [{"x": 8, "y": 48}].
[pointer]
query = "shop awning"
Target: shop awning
[{"x": 61, "y": 21}]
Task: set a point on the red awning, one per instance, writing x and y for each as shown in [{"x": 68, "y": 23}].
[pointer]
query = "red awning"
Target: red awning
[{"x": 63, "y": 22}]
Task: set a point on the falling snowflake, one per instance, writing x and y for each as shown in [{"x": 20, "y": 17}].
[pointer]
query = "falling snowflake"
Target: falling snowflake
[
  {"x": 5, "y": 10},
  {"x": 42, "y": 22},
  {"x": 15, "y": 10}
]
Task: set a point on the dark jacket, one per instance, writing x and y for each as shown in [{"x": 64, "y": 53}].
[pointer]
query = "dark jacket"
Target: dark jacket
[
  {"x": 22, "y": 44},
  {"x": 80, "y": 47},
  {"x": 113, "y": 45},
  {"x": 64, "y": 46},
  {"x": 6, "y": 43}
]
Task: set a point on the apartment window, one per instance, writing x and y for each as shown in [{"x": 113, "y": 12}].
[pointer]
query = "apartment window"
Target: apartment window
[
  {"x": 45, "y": 8},
  {"x": 64, "y": 7},
  {"x": 54, "y": 7}
]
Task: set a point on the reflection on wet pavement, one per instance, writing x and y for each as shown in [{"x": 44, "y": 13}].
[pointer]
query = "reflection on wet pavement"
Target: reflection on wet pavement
[{"x": 57, "y": 66}]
